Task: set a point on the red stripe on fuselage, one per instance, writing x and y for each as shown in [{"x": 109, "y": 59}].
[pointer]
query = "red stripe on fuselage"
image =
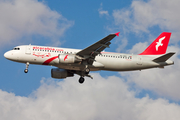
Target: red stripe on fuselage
[{"x": 49, "y": 60}]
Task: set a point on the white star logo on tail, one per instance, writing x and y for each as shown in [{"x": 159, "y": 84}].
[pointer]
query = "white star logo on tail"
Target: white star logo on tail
[{"x": 159, "y": 43}]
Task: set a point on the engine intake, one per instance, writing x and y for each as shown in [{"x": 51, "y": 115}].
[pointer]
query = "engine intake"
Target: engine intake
[
  {"x": 60, "y": 73},
  {"x": 68, "y": 58}
]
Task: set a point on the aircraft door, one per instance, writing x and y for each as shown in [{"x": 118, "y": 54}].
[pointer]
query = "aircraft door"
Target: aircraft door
[
  {"x": 28, "y": 49},
  {"x": 139, "y": 60}
]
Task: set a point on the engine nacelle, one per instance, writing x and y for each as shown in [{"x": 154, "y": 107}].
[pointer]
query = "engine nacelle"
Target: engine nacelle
[
  {"x": 68, "y": 58},
  {"x": 60, "y": 73}
]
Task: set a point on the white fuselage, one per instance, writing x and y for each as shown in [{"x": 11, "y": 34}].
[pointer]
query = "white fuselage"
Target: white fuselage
[{"x": 43, "y": 55}]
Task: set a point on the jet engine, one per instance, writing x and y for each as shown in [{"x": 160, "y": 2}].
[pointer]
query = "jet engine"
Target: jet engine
[
  {"x": 68, "y": 58},
  {"x": 60, "y": 73}
]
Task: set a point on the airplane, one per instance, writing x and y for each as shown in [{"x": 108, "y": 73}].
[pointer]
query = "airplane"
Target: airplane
[{"x": 75, "y": 61}]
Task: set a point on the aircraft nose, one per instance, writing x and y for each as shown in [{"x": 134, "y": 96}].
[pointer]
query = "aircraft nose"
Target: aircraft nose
[{"x": 7, "y": 55}]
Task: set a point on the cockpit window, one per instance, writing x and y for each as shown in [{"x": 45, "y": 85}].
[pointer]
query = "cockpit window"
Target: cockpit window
[{"x": 16, "y": 48}]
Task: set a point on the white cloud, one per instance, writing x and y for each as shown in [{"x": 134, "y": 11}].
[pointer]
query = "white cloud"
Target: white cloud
[
  {"x": 100, "y": 98},
  {"x": 102, "y": 12},
  {"x": 138, "y": 48},
  {"x": 143, "y": 15},
  {"x": 163, "y": 13},
  {"x": 122, "y": 45},
  {"x": 21, "y": 18}
]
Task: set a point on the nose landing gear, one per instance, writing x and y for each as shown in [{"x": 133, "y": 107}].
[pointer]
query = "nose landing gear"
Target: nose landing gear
[{"x": 27, "y": 65}]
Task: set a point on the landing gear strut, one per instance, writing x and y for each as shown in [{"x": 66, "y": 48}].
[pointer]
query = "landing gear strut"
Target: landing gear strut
[
  {"x": 81, "y": 79},
  {"x": 87, "y": 70},
  {"x": 27, "y": 65},
  {"x": 83, "y": 73}
]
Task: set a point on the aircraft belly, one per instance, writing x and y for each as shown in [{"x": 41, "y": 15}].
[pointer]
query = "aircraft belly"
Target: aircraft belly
[{"x": 78, "y": 67}]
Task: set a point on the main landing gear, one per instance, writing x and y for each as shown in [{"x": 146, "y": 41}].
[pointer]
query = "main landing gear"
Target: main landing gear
[
  {"x": 81, "y": 79},
  {"x": 84, "y": 73},
  {"x": 27, "y": 65}
]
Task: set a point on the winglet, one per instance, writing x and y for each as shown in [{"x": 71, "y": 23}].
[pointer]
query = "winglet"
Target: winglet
[{"x": 117, "y": 34}]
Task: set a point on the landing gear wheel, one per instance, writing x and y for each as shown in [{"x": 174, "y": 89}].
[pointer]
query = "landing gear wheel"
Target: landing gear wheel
[
  {"x": 27, "y": 65},
  {"x": 26, "y": 70},
  {"x": 81, "y": 80}
]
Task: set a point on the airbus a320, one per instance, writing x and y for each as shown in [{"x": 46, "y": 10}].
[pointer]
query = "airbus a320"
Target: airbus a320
[{"x": 75, "y": 61}]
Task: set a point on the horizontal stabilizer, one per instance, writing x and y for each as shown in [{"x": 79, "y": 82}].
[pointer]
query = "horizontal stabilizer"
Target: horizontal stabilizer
[{"x": 163, "y": 58}]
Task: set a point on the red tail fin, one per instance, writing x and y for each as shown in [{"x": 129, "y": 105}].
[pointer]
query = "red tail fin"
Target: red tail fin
[{"x": 159, "y": 45}]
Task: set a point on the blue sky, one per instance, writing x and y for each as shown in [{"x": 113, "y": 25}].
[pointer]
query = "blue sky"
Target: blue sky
[{"x": 78, "y": 24}]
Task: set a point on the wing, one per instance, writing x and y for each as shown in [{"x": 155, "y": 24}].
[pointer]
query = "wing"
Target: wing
[{"x": 96, "y": 48}]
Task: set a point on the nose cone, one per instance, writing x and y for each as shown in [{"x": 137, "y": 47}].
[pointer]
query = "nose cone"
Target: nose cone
[
  {"x": 11, "y": 55},
  {"x": 7, "y": 55}
]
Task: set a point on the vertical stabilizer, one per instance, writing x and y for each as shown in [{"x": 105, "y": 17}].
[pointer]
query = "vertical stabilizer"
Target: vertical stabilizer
[{"x": 159, "y": 45}]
